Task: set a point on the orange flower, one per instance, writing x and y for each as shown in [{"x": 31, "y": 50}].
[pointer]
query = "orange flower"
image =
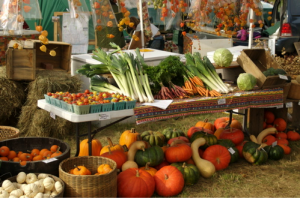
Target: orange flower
[
  {"x": 99, "y": 28},
  {"x": 183, "y": 33}
]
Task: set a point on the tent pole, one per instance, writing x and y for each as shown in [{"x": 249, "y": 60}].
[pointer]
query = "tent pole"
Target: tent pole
[
  {"x": 141, "y": 23},
  {"x": 250, "y": 42}
]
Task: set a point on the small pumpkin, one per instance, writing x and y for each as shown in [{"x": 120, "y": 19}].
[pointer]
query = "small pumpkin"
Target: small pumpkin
[
  {"x": 274, "y": 152},
  {"x": 49, "y": 181},
  {"x": 170, "y": 133},
  {"x": 205, "y": 124},
  {"x": 269, "y": 139},
  {"x": 154, "y": 138},
  {"x": 269, "y": 117},
  {"x": 169, "y": 181},
  {"x": 56, "y": 153},
  {"x": 190, "y": 161},
  {"x": 113, "y": 147},
  {"x": 234, "y": 134},
  {"x": 280, "y": 124},
  {"x": 178, "y": 153},
  {"x": 254, "y": 153},
  {"x": 163, "y": 164},
  {"x": 21, "y": 177},
  {"x": 281, "y": 135},
  {"x": 224, "y": 121},
  {"x": 293, "y": 136},
  {"x": 234, "y": 153},
  {"x": 54, "y": 148},
  {"x": 104, "y": 168},
  {"x": 282, "y": 141},
  {"x": 190, "y": 172},
  {"x": 135, "y": 182},
  {"x": 84, "y": 147},
  {"x": 193, "y": 130},
  {"x": 149, "y": 169},
  {"x": 31, "y": 178},
  {"x": 287, "y": 149},
  {"x": 218, "y": 155},
  {"x": 118, "y": 156},
  {"x": 35, "y": 152},
  {"x": 185, "y": 139},
  {"x": 4, "y": 151},
  {"x": 11, "y": 155},
  {"x": 78, "y": 170},
  {"x": 153, "y": 155},
  {"x": 128, "y": 137},
  {"x": 240, "y": 149},
  {"x": 58, "y": 187},
  {"x": 218, "y": 132},
  {"x": 209, "y": 138}
]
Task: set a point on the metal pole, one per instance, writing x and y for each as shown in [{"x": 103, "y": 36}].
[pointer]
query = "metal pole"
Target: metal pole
[
  {"x": 251, "y": 29},
  {"x": 141, "y": 23}
]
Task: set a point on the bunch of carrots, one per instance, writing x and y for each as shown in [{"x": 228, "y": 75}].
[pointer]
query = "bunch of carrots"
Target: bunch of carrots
[{"x": 194, "y": 85}]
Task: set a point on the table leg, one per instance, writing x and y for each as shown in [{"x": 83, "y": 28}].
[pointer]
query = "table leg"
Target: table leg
[
  {"x": 90, "y": 138},
  {"x": 77, "y": 139},
  {"x": 245, "y": 121}
]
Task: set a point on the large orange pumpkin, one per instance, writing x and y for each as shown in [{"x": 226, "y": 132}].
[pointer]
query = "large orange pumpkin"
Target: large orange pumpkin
[
  {"x": 269, "y": 117},
  {"x": 280, "y": 124},
  {"x": 269, "y": 139},
  {"x": 113, "y": 147},
  {"x": 193, "y": 130},
  {"x": 218, "y": 155},
  {"x": 84, "y": 147},
  {"x": 149, "y": 169},
  {"x": 128, "y": 137},
  {"x": 287, "y": 149},
  {"x": 293, "y": 136},
  {"x": 178, "y": 153},
  {"x": 178, "y": 138},
  {"x": 233, "y": 134},
  {"x": 224, "y": 121},
  {"x": 205, "y": 124},
  {"x": 118, "y": 156}
]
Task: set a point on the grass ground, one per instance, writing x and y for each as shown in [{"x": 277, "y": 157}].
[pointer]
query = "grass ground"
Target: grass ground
[{"x": 273, "y": 179}]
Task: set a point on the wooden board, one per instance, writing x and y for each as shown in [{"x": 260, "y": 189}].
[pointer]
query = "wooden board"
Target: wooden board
[
  {"x": 256, "y": 120},
  {"x": 297, "y": 46}
]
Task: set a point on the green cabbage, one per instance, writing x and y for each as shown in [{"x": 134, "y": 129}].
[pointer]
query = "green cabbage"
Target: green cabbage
[
  {"x": 246, "y": 81},
  {"x": 223, "y": 57}
]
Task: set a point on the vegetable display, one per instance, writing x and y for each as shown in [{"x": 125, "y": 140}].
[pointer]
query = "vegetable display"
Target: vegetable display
[
  {"x": 246, "y": 81},
  {"x": 223, "y": 57}
]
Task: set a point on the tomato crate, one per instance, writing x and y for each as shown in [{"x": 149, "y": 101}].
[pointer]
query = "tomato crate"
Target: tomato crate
[
  {"x": 81, "y": 109},
  {"x": 130, "y": 104},
  {"x": 96, "y": 108},
  {"x": 47, "y": 98},
  {"x": 119, "y": 105},
  {"x": 67, "y": 107}
]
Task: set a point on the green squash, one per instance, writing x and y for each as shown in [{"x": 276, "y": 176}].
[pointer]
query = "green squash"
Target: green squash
[
  {"x": 154, "y": 138},
  {"x": 234, "y": 152},
  {"x": 172, "y": 132},
  {"x": 254, "y": 153},
  {"x": 190, "y": 172},
  {"x": 274, "y": 153},
  {"x": 209, "y": 138},
  {"x": 154, "y": 155}
]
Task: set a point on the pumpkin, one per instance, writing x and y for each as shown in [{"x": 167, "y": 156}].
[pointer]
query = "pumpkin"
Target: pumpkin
[
  {"x": 25, "y": 157},
  {"x": 169, "y": 181},
  {"x": 269, "y": 117},
  {"x": 35, "y": 152},
  {"x": 118, "y": 156},
  {"x": 113, "y": 147},
  {"x": 4, "y": 193},
  {"x": 54, "y": 148},
  {"x": 281, "y": 135},
  {"x": 282, "y": 141},
  {"x": 240, "y": 149},
  {"x": 218, "y": 155},
  {"x": 42, "y": 176},
  {"x": 234, "y": 153},
  {"x": 269, "y": 139},
  {"x": 163, "y": 164},
  {"x": 31, "y": 190},
  {"x": 209, "y": 138},
  {"x": 264, "y": 125},
  {"x": 4, "y": 151},
  {"x": 178, "y": 153},
  {"x": 190, "y": 161},
  {"x": 185, "y": 139},
  {"x": 56, "y": 153},
  {"x": 149, "y": 169},
  {"x": 224, "y": 121},
  {"x": 11, "y": 155},
  {"x": 154, "y": 155},
  {"x": 128, "y": 137},
  {"x": 49, "y": 182},
  {"x": 154, "y": 138},
  {"x": 138, "y": 145},
  {"x": 205, "y": 124},
  {"x": 164, "y": 148},
  {"x": 46, "y": 154},
  {"x": 84, "y": 147},
  {"x": 190, "y": 172},
  {"x": 280, "y": 124},
  {"x": 78, "y": 170},
  {"x": 104, "y": 168},
  {"x": 287, "y": 149},
  {"x": 39, "y": 28},
  {"x": 170, "y": 133},
  {"x": 218, "y": 132},
  {"x": 17, "y": 193},
  {"x": 205, "y": 167},
  {"x": 234, "y": 134},
  {"x": 135, "y": 182},
  {"x": 193, "y": 130},
  {"x": 254, "y": 153},
  {"x": 31, "y": 178},
  {"x": 274, "y": 152},
  {"x": 37, "y": 158},
  {"x": 264, "y": 133},
  {"x": 58, "y": 187},
  {"x": 41, "y": 152},
  {"x": 21, "y": 177},
  {"x": 291, "y": 135}
]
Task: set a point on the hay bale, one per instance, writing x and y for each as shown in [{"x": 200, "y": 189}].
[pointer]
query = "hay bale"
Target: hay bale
[
  {"x": 12, "y": 96},
  {"x": 37, "y": 122}
]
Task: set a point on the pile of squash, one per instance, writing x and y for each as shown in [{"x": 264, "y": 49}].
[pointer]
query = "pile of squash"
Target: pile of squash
[
  {"x": 82, "y": 170},
  {"x": 34, "y": 155}
]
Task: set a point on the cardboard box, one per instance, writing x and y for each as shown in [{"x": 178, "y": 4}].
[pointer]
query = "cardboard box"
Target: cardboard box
[
  {"x": 23, "y": 64},
  {"x": 256, "y": 61}
]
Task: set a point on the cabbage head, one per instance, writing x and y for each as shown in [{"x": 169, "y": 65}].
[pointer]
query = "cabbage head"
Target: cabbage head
[
  {"x": 223, "y": 57},
  {"x": 246, "y": 81}
]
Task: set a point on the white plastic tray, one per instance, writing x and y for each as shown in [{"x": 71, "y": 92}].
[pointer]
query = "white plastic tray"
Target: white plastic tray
[{"x": 72, "y": 117}]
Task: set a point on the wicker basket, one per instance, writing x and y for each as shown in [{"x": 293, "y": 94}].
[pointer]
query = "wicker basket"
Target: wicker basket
[
  {"x": 89, "y": 185},
  {"x": 61, "y": 194},
  {"x": 7, "y": 132}
]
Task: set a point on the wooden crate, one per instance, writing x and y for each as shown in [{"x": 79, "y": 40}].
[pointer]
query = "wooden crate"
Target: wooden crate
[
  {"x": 23, "y": 64},
  {"x": 255, "y": 61}
]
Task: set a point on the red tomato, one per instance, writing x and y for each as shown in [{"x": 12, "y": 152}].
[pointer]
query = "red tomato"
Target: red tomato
[
  {"x": 86, "y": 101},
  {"x": 49, "y": 94},
  {"x": 79, "y": 95},
  {"x": 87, "y": 91}
]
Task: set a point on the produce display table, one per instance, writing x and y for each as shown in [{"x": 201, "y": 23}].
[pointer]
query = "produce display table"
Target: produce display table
[
  {"x": 192, "y": 106},
  {"x": 88, "y": 118},
  {"x": 5, "y": 39}
]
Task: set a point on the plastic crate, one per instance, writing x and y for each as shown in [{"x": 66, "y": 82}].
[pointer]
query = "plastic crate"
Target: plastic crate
[
  {"x": 58, "y": 103},
  {"x": 130, "y": 104},
  {"x": 96, "y": 108},
  {"x": 52, "y": 101},
  {"x": 82, "y": 109},
  {"x": 67, "y": 107},
  {"x": 119, "y": 106},
  {"x": 47, "y": 98},
  {"x": 107, "y": 107}
]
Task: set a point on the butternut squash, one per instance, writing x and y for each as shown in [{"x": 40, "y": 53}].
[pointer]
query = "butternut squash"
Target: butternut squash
[
  {"x": 264, "y": 133},
  {"x": 206, "y": 168},
  {"x": 130, "y": 163}
]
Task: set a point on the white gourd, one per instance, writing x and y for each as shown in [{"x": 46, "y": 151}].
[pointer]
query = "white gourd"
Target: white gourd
[
  {"x": 15, "y": 184},
  {"x": 17, "y": 192},
  {"x": 8, "y": 186},
  {"x": 31, "y": 178},
  {"x": 31, "y": 190},
  {"x": 21, "y": 177},
  {"x": 1, "y": 188},
  {"x": 23, "y": 186},
  {"x": 40, "y": 186},
  {"x": 3, "y": 194},
  {"x": 47, "y": 192},
  {"x": 39, "y": 195},
  {"x": 23, "y": 196},
  {"x": 46, "y": 196},
  {"x": 13, "y": 196},
  {"x": 53, "y": 194},
  {"x": 42, "y": 176},
  {"x": 58, "y": 187},
  {"x": 48, "y": 183},
  {"x": 19, "y": 185},
  {"x": 41, "y": 180}
]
